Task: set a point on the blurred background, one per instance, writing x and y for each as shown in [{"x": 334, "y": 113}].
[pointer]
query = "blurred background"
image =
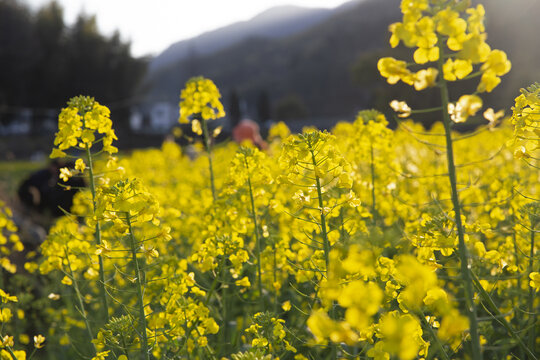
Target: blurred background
[{"x": 303, "y": 62}]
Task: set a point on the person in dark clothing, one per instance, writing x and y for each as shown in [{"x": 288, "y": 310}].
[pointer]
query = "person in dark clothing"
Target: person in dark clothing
[{"x": 42, "y": 193}]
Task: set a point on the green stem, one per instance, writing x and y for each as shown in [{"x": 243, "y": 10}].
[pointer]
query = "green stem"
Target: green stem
[
  {"x": 214, "y": 283},
  {"x": 326, "y": 243},
  {"x": 125, "y": 347},
  {"x": 139, "y": 276},
  {"x": 81, "y": 302},
  {"x": 423, "y": 111},
  {"x": 531, "y": 310},
  {"x": 434, "y": 336},
  {"x": 519, "y": 318},
  {"x": 224, "y": 311},
  {"x": 10, "y": 351},
  {"x": 500, "y": 317},
  {"x": 257, "y": 238},
  {"x": 208, "y": 146},
  {"x": 473, "y": 75},
  {"x": 32, "y": 354},
  {"x": 206, "y": 301},
  {"x": 463, "y": 251},
  {"x": 102, "y": 292},
  {"x": 209, "y": 294},
  {"x": 275, "y": 277},
  {"x": 373, "y": 202}
]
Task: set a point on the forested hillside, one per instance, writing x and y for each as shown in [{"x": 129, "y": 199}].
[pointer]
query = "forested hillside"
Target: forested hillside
[{"x": 330, "y": 68}]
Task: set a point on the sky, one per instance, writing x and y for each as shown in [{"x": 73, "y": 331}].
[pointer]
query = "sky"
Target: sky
[{"x": 153, "y": 25}]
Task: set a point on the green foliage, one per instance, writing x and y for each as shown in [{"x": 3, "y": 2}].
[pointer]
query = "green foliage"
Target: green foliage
[
  {"x": 290, "y": 108},
  {"x": 253, "y": 355},
  {"x": 49, "y": 61}
]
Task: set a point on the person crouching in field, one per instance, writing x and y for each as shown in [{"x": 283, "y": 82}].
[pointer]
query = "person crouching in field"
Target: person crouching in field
[{"x": 43, "y": 199}]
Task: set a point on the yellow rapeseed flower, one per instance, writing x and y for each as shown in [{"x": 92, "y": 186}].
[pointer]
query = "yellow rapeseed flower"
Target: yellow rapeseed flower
[
  {"x": 535, "y": 280},
  {"x": 200, "y": 97},
  {"x": 6, "y": 297},
  {"x": 101, "y": 355},
  {"x": 425, "y": 78},
  {"x": 80, "y": 165},
  {"x": 467, "y": 105},
  {"x": 456, "y": 69},
  {"x": 243, "y": 282},
  {"x": 38, "y": 341},
  {"x": 395, "y": 70},
  {"x": 79, "y": 124},
  {"x": 65, "y": 174},
  {"x": 401, "y": 107}
]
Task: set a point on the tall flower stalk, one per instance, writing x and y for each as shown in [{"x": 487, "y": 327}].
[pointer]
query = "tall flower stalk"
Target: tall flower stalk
[
  {"x": 452, "y": 35},
  {"x": 140, "y": 278},
  {"x": 525, "y": 118},
  {"x": 200, "y": 103},
  {"x": 314, "y": 165},
  {"x": 246, "y": 153},
  {"x": 81, "y": 125},
  {"x": 208, "y": 146},
  {"x": 465, "y": 259},
  {"x": 91, "y": 177},
  {"x": 130, "y": 212}
]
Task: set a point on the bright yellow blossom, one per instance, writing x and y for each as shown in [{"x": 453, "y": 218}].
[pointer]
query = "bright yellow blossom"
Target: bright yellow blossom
[
  {"x": 453, "y": 327},
  {"x": 401, "y": 107},
  {"x": 496, "y": 65},
  {"x": 467, "y": 105},
  {"x": 535, "y": 280},
  {"x": 65, "y": 174},
  {"x": 395, "y": 70},
  {"x": 401, "y": 335},
  {"x": 456, "y": 69},
  {"x": 38, "y": 341},
  {"x": 492, "y": 116},
  {"x": 6, "y": 297},
  {"x": 80, "y": 123},
  {"x": 80, "y": 165},
  {"x": 286, "y": 306},
  {"x": 475, "y": 22},
  {"x": 475, "y": 49},
  {"x": 101, "y": 355},
  {"x": 196, "y": 127},
  {"x": 200, "y": 97},
  {"x": 243, "y": 282},
  {"x": 425, "y": 78}
]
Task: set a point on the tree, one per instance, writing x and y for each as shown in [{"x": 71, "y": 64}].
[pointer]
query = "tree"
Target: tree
[
  {"x": 234, "y": 113},
  {"x": 291, "y": 108},
  {"x": 17, "y": 60},
  {"x": 49, "y": 32},
  {"x": 263, "y": 107}
]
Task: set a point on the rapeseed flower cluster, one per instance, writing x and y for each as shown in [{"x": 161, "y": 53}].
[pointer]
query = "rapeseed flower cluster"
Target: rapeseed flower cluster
[
  {"x": 323, "y": 182},
  {"x": 7, "y": 342},
  {"x": 200, "y": 102},
  {"x": 9, "y": 239},
  {"x": 390, "y": 288},
  {"x": 525, "y": 118},
  {"x": 451, "y": 35},
  {"x": 81, "y": 124},
  {"x": 338, "y": 244},
  {"x": 269, "y": 334},
  {"x": 200, "y": 97}
]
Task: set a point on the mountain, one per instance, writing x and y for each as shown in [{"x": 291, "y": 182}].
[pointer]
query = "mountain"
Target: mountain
[
  {"x": 308, "y": 63},
  {"x": 276, "y": 22},
  {"x": 330, "y": 68}
]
